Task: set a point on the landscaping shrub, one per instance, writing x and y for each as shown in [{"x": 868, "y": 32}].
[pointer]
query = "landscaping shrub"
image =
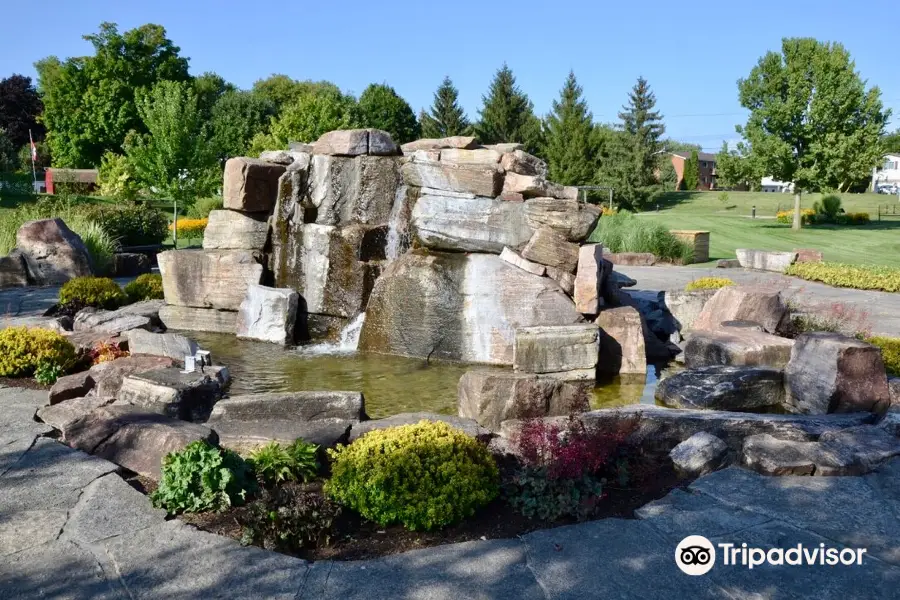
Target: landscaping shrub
[
  {"x": 855, "y": 218},
  {"x": 290, "y": 519},
  {"x": 104, "y": 352},
  {"x": 145, "y": 287},
  {"x": 23, "y": 351},
  {"x": 100, "y": 245},
  {"x": 202, "y": 477},
  {"x": 560, "y": 469},
  {"x": 47, "y": 373},
  {"x": 625, "y": 232},
  {"x": 203, "y": 206},
  {"x": 274, "y": 463},
  {"x": 890, "y": 353},
  {"x": 131, "y": 224},
  {"x": 807, "y": 216},
  {"x": 99, "y": 292},
  {"x": 861, "y": 277},
  {"x": 424, "y": 476},
  {"x": 828, "y": 208},
  {"x": 190, "y": 229},
  {"x": 708, "y": 283}
]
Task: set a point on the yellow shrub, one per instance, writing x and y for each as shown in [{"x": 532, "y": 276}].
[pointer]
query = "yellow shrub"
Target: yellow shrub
[
  {"x": 861, "y": 277},
  {"x": 23, "y": 350},
  {"x": 605, "y": 210},
  {"x": 424, "y": 476},
  {"x": 854, "y": 218},
  {"x": 99, "y": 292},
  {"x": 890, "y": 353},
  {"x": 807, "y": 216},
  {"x": 190, "y": 228},
  {"x": 145, "y": 287},
  {"x": 708, "y": 283}
]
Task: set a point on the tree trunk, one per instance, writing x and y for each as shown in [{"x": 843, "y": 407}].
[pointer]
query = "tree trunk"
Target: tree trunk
[{"x": 797, "y": 219}]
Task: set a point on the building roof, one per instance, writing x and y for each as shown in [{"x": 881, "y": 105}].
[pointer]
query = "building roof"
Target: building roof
[
  {"x": 701, "y": 155},
  {"x": 73, "y": 175}
]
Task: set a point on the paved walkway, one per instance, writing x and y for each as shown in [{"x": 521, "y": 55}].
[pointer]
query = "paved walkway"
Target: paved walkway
[
  {"x": 883, "y": 308},
  {"x": 70, "y": 527}
]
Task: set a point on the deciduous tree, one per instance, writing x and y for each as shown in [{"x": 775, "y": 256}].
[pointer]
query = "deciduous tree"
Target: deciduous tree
[
  {"x": 237, "y": 116},
  {"x": 735, "y": 169},
  {"x": 570, "y": 143},
  {"x": 507, "y": 114},
  {"x": 20, "y": 107},
  {"x": 382, "y": 108},
  {"x": 446, "y": 117}
]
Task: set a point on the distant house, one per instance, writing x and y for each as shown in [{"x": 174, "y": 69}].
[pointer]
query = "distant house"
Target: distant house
[
  {"x": 77, "y": 180},
  {"x": 888, "y": 176},
  {"x": 707, "y": 179},
  {"x": 770, "y": 184}
]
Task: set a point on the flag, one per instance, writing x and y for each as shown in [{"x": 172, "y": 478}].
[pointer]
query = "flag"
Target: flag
[{"x": 33, "y": 152}]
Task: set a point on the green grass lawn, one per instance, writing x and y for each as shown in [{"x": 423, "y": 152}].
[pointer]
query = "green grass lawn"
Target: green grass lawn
[{"x": 730, "y": 226}]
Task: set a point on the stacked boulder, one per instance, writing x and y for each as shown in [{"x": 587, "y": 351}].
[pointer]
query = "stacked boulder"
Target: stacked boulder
[{"x": 47, "y": 252}]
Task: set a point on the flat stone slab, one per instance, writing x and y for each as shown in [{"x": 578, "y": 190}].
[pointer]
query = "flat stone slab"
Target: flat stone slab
[
  {"x": 770, "y": 456},
  {"x": 59, "y": 416},
  {"x": 682, "y": 513},
  {"x": 467, "y": 426},
  {"x": 169, "y": 391},
  {"x": 109, "y": 321},
  {"x": 108, "y": 376},
  {"x": 28, "y": 528},
  {"x": 171, "y": 345},
  {"x": 737, "y": 346},
  {"x": 297, "y": 406},
  {"x": 554, "y": 349},
  {"x": 244, "y": 436}
]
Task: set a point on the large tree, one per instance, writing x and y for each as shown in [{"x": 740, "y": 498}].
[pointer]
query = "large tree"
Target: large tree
[
  {"x": 237, "y": 116},
  {"x": 209, "y": 87},
  {"x": 446, "y": 117},
  {"x": 507, "y": 115},
  {"x": 9, "y": 161},
  {"x": 382, "y": 108},
  {"x": 318, "y": 111},
  {"x": 20, "y": 107},
  {"x": 174, "y": 157},
  {"x": 812, "y": 122},
  {"x": 632, "y": 164},
  {"x": 891, "y": 142},
  {"x": 89, "y": 102},
  {"x": 735, "y": 169},
  {"x": 282, "y": 90},
  {"x": 570, "y": 142}
]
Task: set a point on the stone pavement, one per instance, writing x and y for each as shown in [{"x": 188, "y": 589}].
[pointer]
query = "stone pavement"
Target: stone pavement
[
  {"x": 883, "y": 308},
  {"x": 70, "y": 527}
]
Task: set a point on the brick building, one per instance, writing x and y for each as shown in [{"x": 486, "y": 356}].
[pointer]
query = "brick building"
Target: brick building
[{"x": 707, "y": 179}]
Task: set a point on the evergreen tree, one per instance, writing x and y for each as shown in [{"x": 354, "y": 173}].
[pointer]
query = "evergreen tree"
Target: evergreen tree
[
  {"x": 691, "y": 177},
  {"x": 446, "y": 118},
  {"x": 508, "y": 114},
  {"x": 570, "y": 147}
]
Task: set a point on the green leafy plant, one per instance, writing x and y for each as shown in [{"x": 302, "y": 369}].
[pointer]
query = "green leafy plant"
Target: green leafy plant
[
  {"x": 861, "y": 277},
  {"x": 131, "y": 224},
  {"x": 24, "y": 350},
  {"x": 425, "y": 475},
  {"x": 828, "y": 208},
  {"x": 203, "y": 206},
  {"x": 890, "y": 352},
  {"x": 201, "y": 478},
  {"x": 723, "y": 197},
  {"x": 272, "y": 463},
  {"x": 99, "y": 292},
  {"x": 305, "y": 459},
  {"x": 47, "y": 373},
  {"x": 708, "y": 283},
  {"x": 290, "y": 519},
  {"x": 145, "y": 287},
  {"x": 626, "y": 232}
]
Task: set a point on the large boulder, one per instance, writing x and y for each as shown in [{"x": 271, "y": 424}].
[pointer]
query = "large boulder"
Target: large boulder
[
  {"x": 588, "y": 279},
  {"x": 131, "y": 264},
  {"x": 189, "y": 318},
  {"x": 479, "y": 156},
  {"x": 233, "y": 230},
  {"x": 459, "y": 307},
  {"x": 685, "y": 307},
  {"x": 457, "y": 141},
  {"x": 250, "y": 184},
  {"x": 356, "y": 142},
  {"x": 516, "y": 260},
  {"x": 171, "y": 345},
  {"x": 65, "y": 388},
  {"x": 623, "y": 348},
  {"x": 763, "y": 260},
  {"x": 549, "y": 247},
  {"x": 347, "y": 191},
  {"x": 169, "y": 391},
  {"x": 829, "y": 372},
  {"x": 519, "y": 161},
  {"x": 208, "y": 278},
  {"x": 723, "y": 388},
  {"x": 743, "y": 303},
  {"x": 62, "y": 414},
  {"x": 109, "y": 321},
  {"x": 736, "y": 346},
  {"x": 268, "y": 314},
  {"x": 53, "y": 253},
  {"x": 568, "y": 351},
  {"x": 480, "y": 180},
  {"x": 491, "y": 397},
  {"x": 108, "y": 376},
  {"x": 575, "y": 220},
  {"x": 133, "y": 438},
  {"x": 13, "y": 272},
  {"x": 537, "y": 186},
  {"x": 471, "y": 225}
]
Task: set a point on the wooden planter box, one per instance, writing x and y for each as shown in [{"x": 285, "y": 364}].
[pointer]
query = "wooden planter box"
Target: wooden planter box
[{"x": 698, "y": 240}]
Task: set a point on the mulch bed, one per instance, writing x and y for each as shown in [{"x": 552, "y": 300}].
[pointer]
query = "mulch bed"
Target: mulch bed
[{"x": 23, "y": 382}]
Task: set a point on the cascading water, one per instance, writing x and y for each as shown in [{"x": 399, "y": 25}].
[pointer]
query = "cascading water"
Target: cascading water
[
  {"x": 398, "y": 226},
  {"x": 347, "y": 343}
]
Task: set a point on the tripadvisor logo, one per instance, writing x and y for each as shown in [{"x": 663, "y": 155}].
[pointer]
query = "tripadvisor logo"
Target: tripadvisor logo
[{"x": 696, "y": 555}]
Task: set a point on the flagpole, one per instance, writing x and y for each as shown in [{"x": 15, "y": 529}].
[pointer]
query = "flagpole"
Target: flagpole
[{"x": 33, "y": 170}]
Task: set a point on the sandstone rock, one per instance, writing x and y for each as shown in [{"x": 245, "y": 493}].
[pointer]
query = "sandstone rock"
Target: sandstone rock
[
  {"x": 382, "y": 144},
  {"x": 133, "y": 438},
  {"x": 771, "y": 456},
  {"x": 723, "y": 388},
  {"x": 467, "y": 307},
  {"x": 565, "y": 280},
  {"x": 355, "y": 142},
  {"x": 168, "y": 391},
  {"x": 108, "y": 376},
  {"x": 245, "y": 436},
  {"x": 467, "y": 426},
  {"x": 285, "y": 406},
  {"x": 622, "y": 346},
  {"x": 829, "y": 372},
  {"x": 687, "y": 306},
  {"x": 250, "y": 184},
  {"x": 109, "y": 321},
  {"x": 349, "y": 191},
  {"x": 634, "y": 259},
  {"x": 475, "y": 225},
  {"x": 233, "y": 230},
  {"x": 587, "y": 279},
  {"x": 537, "y": 186},
  {"x": 53, "y": 253},
  {"x": 208, "y": 278},
  {"x": 807, "y": 255},
  {"x": 522, "y": 163},
  {"x": 61, "y": 415},
  {"x": 516, "y": 260},
  {"x": 268, "y": 314},
  {"x": 506, "y": 147},
  {"x": 869, "y": 446},
  {"x": 13, "y": 272},
  {"x": 459, "y": 141},
  {"x": 737, "y": 346},
  {"x": 279, "y": 157},
  {"x": 171, "y": 345},
  {"x": 85, "y": 341},
  {"x": 425, "y": 191},
  {"x": 198, "y": 319},
  {"x": 482, "y": 156},
  {"x": 130, "y": 264},
  {"x": 144, "y": 308},
  {"x": 700, "y": 454},
  {"x": 491, "y": 397},
  {"x": 728, "y": 263},
  {"x": 765, "y": 261},
  {"x": 549, "y": 247},
  {"x": 557, "y": 349},
  {"x": 474, "y": 179},
  {"x": 745, "y": 303},
  {"x": 511, "y": 197},
  {"x": 573, "y": 219},
  {"x": 76, "y": 385}
]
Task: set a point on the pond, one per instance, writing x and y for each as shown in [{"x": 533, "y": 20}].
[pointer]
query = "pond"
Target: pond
[{"x": 391, "y": 384}]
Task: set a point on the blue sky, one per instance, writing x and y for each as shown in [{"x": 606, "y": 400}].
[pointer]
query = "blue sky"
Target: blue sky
[{"x": 691, "y": 53}]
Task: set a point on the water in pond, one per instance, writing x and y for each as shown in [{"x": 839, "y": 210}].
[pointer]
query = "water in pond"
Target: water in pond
[{"x": 391, "y": 384}]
